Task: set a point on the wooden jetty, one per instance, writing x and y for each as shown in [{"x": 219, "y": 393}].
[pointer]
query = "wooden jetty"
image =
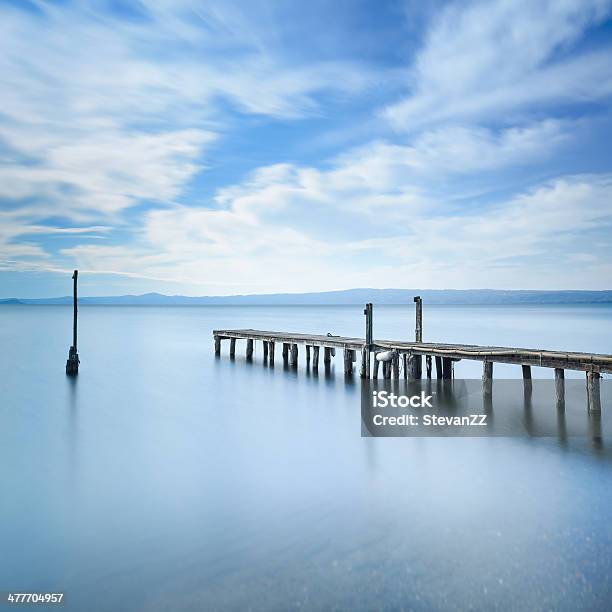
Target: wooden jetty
[{"x": 410, "y": 355}]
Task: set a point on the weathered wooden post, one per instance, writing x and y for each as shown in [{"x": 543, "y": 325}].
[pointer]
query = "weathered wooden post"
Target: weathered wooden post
[
  {"x": 439, "y": 370},
  {"x": 487, "y": 377},
  {"x": 418, "y": 331},
  {"x": 447, "y": 368},
  {"x": 307, "y": 354},
  {"x": 217, "y": 346},
  {"x": 232, "y": 348},
  {"x": 395, "y": 365},
  {"x": 249, "y": 349},
  {"x": 271, "y": 346},
  {"x": 293, "y": 356},
  {"x": 285, "y": 352},
  {"x": 363, "y": 372},
  {"x": 526, "y": 376},
  {"x": 560, "y": 388},
  {"x": 72, "y": 364},
  {"x": 593, "y": 397},
  {"x": 315, "y": 357},
  {"x": 428, "y": 366},
  {"x": 327, "y": 352},
  {"x": 416, "y": 362},
  {"x": 348, "y": 361},
  {"x": 265, "y": 350},
  {"x": 369, "y": 341}
]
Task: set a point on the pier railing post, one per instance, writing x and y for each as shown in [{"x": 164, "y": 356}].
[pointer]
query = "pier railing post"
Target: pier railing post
[
  {"x": 369, "y": 340},
  {"x": 417, "y": 360},
  {"x": 418, "y": 330}
]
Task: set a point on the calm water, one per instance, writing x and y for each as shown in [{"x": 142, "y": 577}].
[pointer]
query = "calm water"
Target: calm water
[{"x": 165, "y": 479}]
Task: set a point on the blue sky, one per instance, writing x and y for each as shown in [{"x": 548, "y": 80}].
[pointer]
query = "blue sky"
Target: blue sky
[{"x": 223, "y": 147}]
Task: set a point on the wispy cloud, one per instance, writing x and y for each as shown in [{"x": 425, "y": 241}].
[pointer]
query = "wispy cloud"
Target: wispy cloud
[{"x": 484, "y": 60}]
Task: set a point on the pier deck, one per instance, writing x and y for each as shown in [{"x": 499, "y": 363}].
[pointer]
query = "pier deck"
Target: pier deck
[
  {"x": 566, "y": 360},
  {"x": 411, "y": 355}
]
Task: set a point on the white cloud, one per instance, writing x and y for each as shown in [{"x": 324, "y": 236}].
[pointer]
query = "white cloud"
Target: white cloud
[
  {"x": 100, "y": 113},
  {"x": 483, "y": 59}
]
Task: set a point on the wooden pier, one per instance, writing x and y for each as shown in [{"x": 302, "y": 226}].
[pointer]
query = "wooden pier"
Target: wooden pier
[{"x": 410, "y": 355}]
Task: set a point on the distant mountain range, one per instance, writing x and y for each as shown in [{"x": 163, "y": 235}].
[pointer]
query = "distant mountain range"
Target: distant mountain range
[{"x": 349, "y": 296}]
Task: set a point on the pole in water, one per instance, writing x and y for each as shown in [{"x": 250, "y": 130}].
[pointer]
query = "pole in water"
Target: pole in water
[{"x": 72, "y": 365}]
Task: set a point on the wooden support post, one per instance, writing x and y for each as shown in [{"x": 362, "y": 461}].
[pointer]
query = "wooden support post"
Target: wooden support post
[
  {"x": 217, "y": 346},
  {"x": 405, "y": 364},
  {"x": 418, "y": 331},
  {"x": 395, "y": 365},
  {"x": 387, "y": 369},
  {"x": 293, "y": 356},
  {"x": 439, "y": 371},
  {"x": 348, "y": 361},
  {"x": 447, "y": 368},
  {"x": 415, "y": 366},
  {"x": 365, "y": 362},
  {"x": 487, "y": 377},
  {"x": 327, "y": 353},
  {"x": 265, "y": 350},
  {"x": 593, "y": 397},
  {"x": 271, "y": 346},
  {"x": 375, "y": 366},
  {"x": 232, "y": 348},
  {"x": 526, "y": 375},
  {"x": 428, "y": 366},
  {"x": 560, "y": 387},
  {"x": 285, "y": 352},
  {"x": 72, "y": 364},
  {"x": 308, "y": 354},
  {"x": 315, "y": 357},
  {"x": 249, "y": 348}
]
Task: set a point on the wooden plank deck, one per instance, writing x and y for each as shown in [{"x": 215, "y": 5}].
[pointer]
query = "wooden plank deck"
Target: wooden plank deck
[{"x": 567, "y": 360}]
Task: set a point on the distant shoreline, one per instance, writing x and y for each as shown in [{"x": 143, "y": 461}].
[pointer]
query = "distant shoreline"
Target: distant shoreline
[{"x": 475, "y": 297}]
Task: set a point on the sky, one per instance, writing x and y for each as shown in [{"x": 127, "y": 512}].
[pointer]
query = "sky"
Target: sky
[{"x": 206, "y": 147}]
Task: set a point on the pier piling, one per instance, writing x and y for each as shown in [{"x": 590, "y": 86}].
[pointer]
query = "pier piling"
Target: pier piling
[
  {"x": 560, "y": 388},
  {"x": 271, "y": 346},
  {"x": 293, "y": 356},
  {"x": 593, "y": 397},
  {"x": 232, "y": 353},
  {"x": 249, "y": 349},
  {"x": 315, "y": 357},
  {"x": 487, "y": 377}
]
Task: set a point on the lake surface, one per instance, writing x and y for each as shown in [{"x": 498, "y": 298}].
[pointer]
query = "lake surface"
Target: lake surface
[{"x": 165, "y": 479}]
